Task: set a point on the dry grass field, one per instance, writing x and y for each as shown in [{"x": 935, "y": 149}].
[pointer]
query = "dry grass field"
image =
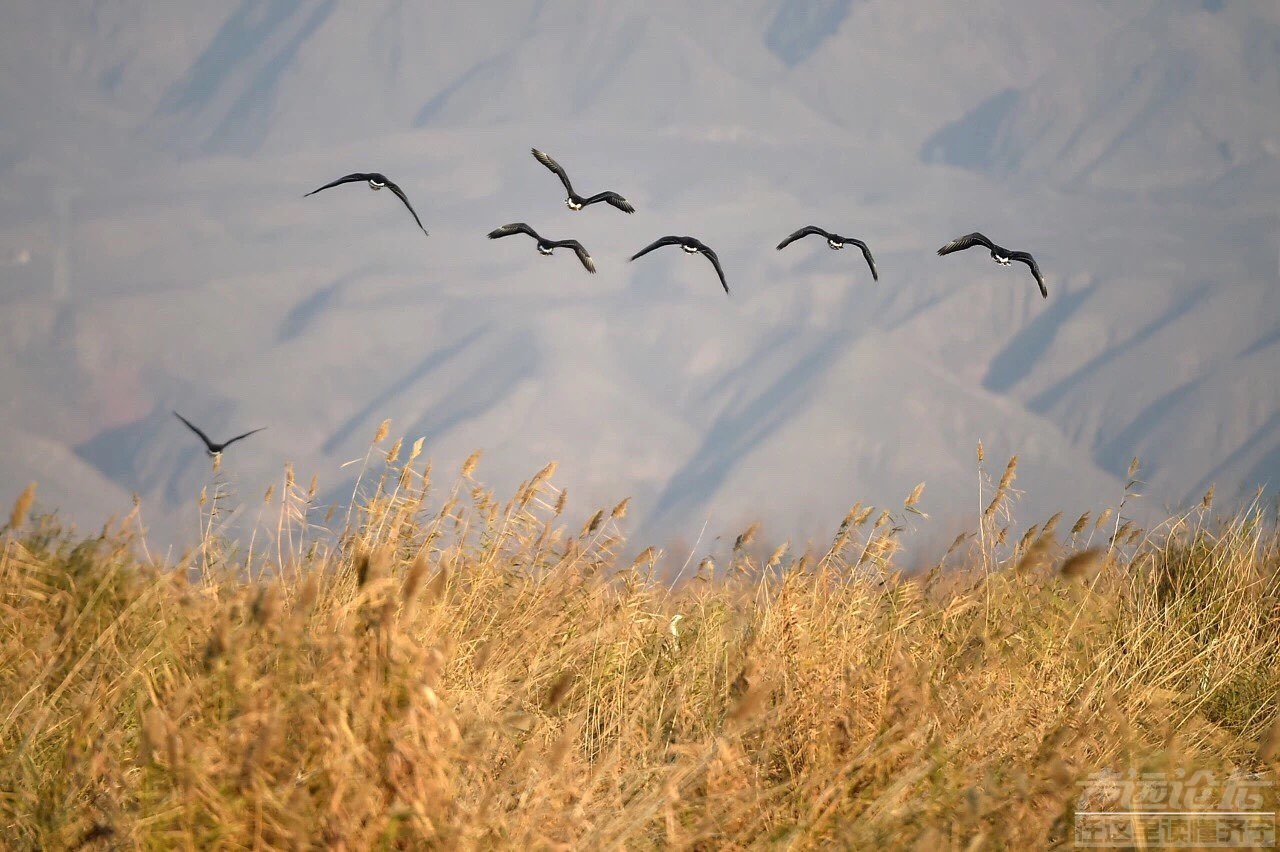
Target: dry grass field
[{"x": 457, "y": 671}]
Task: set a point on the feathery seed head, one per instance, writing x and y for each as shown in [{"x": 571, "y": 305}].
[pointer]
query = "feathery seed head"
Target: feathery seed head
[
  {"x": 559, "y": 690},
  {"x": 746, "y": 537},
  {"x": 593, "y": 524},
  {"x": 439, "y": 583},
  {"x": 647, "y": 556},
  {"x": 620, "y": 510},
  {"x": 1080, "y": 524},
  {"x": 1079, "y": 566},
  {"x": 413, "y": 578},
  {"x": 548, "y": 470},
  {"x": 775, "y": 558},
  {"x": 21, "y": 506}
]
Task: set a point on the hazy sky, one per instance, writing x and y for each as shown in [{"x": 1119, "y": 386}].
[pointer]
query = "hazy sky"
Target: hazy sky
[{"x": 155, "y": 251}]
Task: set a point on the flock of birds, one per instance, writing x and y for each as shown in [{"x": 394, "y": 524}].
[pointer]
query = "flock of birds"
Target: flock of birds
[{"x": 691, "y": 245}]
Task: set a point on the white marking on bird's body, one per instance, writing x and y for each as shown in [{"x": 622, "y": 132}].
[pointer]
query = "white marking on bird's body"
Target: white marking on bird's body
[
  {"x": 835, "y": 244},
  {"x": 547, "y": 250},
  {"x": 375, "y": 186},
  {"x": 1000, "y": 259},
  {"x": 572, "y": 205},
  {"x": 690, "y": 249}
]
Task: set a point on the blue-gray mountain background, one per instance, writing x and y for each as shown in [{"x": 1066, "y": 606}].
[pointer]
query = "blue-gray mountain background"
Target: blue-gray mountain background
[{"x": 156, "y": 253}]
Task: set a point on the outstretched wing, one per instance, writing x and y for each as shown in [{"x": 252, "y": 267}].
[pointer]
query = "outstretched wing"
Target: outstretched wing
[
  {"x": 579, "y": 250},
  {"x": 612, "y": 198},
  {"x": 245, "y": 435},
  {"x": 803, "y": 232},
  {"x": 715, "y": 261},
  {"x": 866, "y": 252},
  {"x": 545, "y": 159},
  {"x": 1026, "y": 258},
  {"x": 400, "y": 194},
  {"x": 658, "y": 243},
  {"x": 351, "y": 178},
  {"x": 967, "y": 241},
  {"x": 513, "y": 228},
  {"x": 203, "y": 437}
]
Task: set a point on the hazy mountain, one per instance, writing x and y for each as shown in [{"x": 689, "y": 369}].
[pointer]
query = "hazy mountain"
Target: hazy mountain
[{"x": 155, "y": 251}]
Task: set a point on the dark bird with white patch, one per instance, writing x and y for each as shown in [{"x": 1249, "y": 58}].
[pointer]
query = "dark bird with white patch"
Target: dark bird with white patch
[
  {"x": 999, "y": 254},
  {"x": 836, "y": 242},
  {"x": 545, "y": 246},
  {"x": 690, "y": 245},
  {"x": 212, "y": 448},
  {"x": 376, "y": 182},
  {"x": 576, "y": 201}
]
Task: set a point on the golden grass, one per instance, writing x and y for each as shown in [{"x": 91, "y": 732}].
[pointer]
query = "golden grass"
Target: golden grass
[{"x": 475, "y": 675}]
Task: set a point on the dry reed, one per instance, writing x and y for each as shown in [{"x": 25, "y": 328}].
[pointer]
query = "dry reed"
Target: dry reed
[{"x": 476, "y": 675}]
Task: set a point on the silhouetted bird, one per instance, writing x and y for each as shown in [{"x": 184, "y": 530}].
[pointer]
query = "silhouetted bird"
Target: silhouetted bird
[
  {"x": 545, "y": 246},
  {"x": 836, "y": 242},
  {"x": 576, "y": 201},
  {"x": 210, "y": 447},
  {"x": 1002, "y": 256},
  {"x": 376, "y": 181},
  {"x": 690, "y": 245}
]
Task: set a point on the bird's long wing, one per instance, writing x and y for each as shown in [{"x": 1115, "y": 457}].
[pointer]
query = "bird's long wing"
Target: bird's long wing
[
  {"x": 579, "y": 250},
  {"x": 1035, "y": 269},
  {"x": 351, "y": 178},
  {"x": 610, "y": 197},
  {"x": 866, "y": 252},
  {"x": 203, "y": 437},
  {"x": 240, "y": 437},
  {"x": 658, "y": 243},
  {"x": 803, "y": 232},
  {"x": 400, "y": 194},
  {"x": 551, "y": 164},
  {"x": 513, "y": 228},
  {"x": 967, "y": 241},
  {"x": 715, "y": 261}
]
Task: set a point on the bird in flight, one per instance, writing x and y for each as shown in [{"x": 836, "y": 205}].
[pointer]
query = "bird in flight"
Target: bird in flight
[
  {"x": 690, "y": 245},
  {"x": 576, "y": 201},
  {"x": 836, "y": 242},
  {"x": 545, "y": 246},
  {"x": 210, "y": 447},
  {"x": 376, "y": 181},
  {"x": 999, "y": 254}
]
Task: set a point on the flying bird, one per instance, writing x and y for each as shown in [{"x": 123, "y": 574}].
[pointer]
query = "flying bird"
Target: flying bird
[
  {"x": 836, "y": 242},
  {"x": 210, "y": 447},
  {"x": 545, "y": 246},
  {"x": 999, "y": 254},
  {"x": 376, "y": 182},
  {"x": 576, "y": 201},
  {"x": 690, "y": 245}
]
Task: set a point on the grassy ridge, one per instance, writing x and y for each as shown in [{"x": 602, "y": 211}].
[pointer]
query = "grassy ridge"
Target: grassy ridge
[{"x": 476, "y": 675}]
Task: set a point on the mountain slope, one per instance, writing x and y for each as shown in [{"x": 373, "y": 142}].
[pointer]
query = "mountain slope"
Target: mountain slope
[{"x": 159, "y": 168}]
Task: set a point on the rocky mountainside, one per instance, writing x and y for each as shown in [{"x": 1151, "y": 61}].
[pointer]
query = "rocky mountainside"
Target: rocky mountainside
[{"x": 155, "y": 251}]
